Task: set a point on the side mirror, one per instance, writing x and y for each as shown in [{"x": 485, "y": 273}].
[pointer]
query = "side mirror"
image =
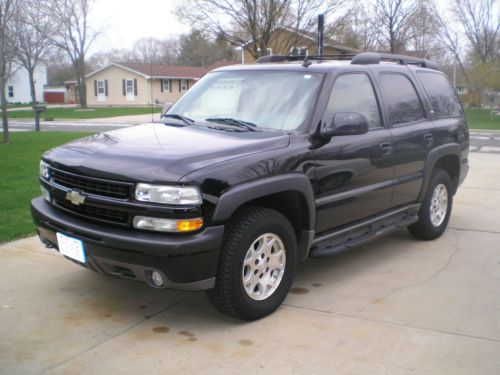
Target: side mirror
[
  {"x": 166, "y": 108},
  {"x": 346, "y": 123}
]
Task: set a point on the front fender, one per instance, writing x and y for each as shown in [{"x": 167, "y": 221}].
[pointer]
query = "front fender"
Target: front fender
[{"x": 237, "y": 196}]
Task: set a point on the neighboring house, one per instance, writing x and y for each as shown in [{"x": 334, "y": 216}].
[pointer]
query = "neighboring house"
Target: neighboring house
[
  {"x": 136, "y": 84},
  {"x": 17, "y": 89},
  {"x": 54, "y": 94},
  {"x": 286, "y": 41}
]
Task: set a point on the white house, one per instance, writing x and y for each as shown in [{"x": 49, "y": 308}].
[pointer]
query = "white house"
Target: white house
[{"x": 17, "y": 89}]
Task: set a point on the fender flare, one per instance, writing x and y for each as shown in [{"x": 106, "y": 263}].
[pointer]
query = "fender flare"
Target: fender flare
[
  {"x": 237, "y": 196},
  {"x": 432, "y": 159}
]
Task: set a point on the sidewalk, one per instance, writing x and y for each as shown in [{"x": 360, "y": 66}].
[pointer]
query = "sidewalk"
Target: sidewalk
[{"x": 395, "y": 306}]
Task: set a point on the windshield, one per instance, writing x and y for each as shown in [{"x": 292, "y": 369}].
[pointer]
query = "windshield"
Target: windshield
[{"x": 277, "y": 100}]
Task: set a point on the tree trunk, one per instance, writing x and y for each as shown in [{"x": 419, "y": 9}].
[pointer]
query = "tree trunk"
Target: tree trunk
[
  {"x": 80, "y": 79},
  {"x": 31, "y": 74},
  {"x": 5, "y": 119}
]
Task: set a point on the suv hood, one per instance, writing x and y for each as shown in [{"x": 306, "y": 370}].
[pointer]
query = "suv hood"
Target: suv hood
[{"x": 159, "y": 153}]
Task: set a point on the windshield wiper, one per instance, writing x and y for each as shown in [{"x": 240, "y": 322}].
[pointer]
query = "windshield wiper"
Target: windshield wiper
[
  {"x": 184, "y": 119},
  {"x": 234, "y": 122}
]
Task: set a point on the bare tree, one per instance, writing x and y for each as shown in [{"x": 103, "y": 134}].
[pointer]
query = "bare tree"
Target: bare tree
[
  {"x": 394, "y": 18},
  {"x": 481, "y": 24},
  {"x": 74, "y": 35},
  {"x": 423, "y": 27},
  {"x": 357, "y": 28},
  {"x": 8, "y": 13},
  {"x": 240, "y": 21},
  {"x": 152, "y": 50},
  {"x": 33, "y": 35},
  {"x": 450, "y": 38}
]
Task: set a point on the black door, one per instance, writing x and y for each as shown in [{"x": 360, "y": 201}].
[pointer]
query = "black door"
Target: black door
[
  {"x": 412, "y": 133},
  {"x": 354, "y": 173}
]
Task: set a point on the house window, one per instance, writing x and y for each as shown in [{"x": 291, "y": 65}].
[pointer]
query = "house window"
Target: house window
[
  {"x": 100, "y": 87},
  {"x": 299, "y": 51},
  {"x": 184, "y": 84},
  {"x": 129, "y": 84},
  {"x": 11, "y": 91},
  {"x": 166, "y": 85}
]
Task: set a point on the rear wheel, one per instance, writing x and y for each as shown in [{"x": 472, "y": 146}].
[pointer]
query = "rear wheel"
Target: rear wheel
[
  {"x": 257, "y": 264},
  {"x": 436, "y": 207}
]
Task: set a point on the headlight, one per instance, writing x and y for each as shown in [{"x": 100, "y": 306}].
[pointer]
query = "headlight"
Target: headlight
[
  {"x": 167, "y": 225},
  {"x": 44, "y": 169},
  {"x": 167, "y": 194}
]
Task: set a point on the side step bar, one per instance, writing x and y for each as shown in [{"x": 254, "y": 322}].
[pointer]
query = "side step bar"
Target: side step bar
[{"x": 358, "y": 234}]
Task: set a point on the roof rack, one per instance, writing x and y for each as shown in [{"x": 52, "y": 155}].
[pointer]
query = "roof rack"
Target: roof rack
[
  {"x": 366, "y": 58},
  {"x": 362, "y": 58}
]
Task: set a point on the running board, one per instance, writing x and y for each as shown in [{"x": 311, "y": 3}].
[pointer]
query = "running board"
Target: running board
[{"x": 358, "y": 234}]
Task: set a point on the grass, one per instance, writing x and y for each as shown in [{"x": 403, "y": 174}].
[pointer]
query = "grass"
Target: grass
[
  {"x": 480, "y": 119},
  {"x": 17, "y": 105},
  {"x": 19, "y": 178},
  {"x": 75, "y": 113}
]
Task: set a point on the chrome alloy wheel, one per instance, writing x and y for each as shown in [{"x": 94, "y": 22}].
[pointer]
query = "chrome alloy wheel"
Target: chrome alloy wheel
[
  {"x": 263, "y": 266},
  {"x": 439, "y": 205}
]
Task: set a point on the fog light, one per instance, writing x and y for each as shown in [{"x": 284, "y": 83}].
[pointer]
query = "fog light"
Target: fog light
[
  {"x": 157, "y": 278},
  {"x": 45, "y": 193}
]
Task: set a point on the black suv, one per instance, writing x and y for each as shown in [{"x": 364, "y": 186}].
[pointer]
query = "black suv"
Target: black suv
[{"x": 256, "y": 168}]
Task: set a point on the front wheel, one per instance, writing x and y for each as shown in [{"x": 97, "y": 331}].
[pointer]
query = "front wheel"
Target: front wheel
[
  {"x": 257, "y": 264},
  {"x": 436, "y": 207}
]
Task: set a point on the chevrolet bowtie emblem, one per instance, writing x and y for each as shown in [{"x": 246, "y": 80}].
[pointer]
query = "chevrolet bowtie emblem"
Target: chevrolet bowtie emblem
[{"x": 75, "y": 197}]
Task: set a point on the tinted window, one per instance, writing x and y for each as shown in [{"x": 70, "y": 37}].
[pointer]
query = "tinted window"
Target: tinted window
[
  {"x": 443, "y": 98},
  {"x": 403, "y": 102},
  {"x": 354, "y": 93}
]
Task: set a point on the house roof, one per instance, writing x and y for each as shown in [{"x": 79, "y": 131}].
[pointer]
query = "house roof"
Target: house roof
[
  {"x": 220, "y": 64},
  {"x": 160, "y": 70},
  {"x": 157, "y": 70}
]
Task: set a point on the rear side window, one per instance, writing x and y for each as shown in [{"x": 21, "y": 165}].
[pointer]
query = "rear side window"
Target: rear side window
[
  {"x": 354, "y": 93},
  {"x": 403, "y": 102},
  {"x": 444, "y": 100}
]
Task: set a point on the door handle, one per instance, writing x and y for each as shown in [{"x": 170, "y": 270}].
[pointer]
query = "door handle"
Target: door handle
[
  {"x": 428, "y": 139},
  {"x": 385, "y": 148}
]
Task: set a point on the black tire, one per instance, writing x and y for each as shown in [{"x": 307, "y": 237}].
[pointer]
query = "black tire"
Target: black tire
[
  {"x": 248, "y": 224},
  {"x": 424, "y": 228}
]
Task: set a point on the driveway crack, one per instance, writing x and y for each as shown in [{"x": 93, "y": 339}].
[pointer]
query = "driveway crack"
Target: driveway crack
[{"x": 432, "y": 276}]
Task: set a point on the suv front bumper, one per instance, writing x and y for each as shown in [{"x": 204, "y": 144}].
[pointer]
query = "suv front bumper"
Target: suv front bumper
[{"x": 186, "y": 262}]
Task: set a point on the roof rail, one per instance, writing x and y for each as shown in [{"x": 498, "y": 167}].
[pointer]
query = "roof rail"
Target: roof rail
[
  {"x": 366, "y": 58},
  {"x": 282, "y": 58},
  {"x": 362, "y": 58}
]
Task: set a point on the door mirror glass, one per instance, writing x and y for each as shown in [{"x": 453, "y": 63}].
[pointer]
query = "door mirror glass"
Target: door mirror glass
[{"x": 346, "y": 123}]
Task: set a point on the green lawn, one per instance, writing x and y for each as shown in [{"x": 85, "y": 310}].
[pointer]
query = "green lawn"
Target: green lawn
[
  {"x": 480, "y": 119},
  {"x": 75, "y": 113},
  {"x": 17, "y": 105},
  {"x": 19, "y": 178}
]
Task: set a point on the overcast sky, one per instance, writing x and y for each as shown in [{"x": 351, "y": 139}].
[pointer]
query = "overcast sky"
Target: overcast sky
[{"x": 128, "y": 20}]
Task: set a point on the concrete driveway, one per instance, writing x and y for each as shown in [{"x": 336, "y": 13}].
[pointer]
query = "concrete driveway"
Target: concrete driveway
[{"x": 395, "y": 306}]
